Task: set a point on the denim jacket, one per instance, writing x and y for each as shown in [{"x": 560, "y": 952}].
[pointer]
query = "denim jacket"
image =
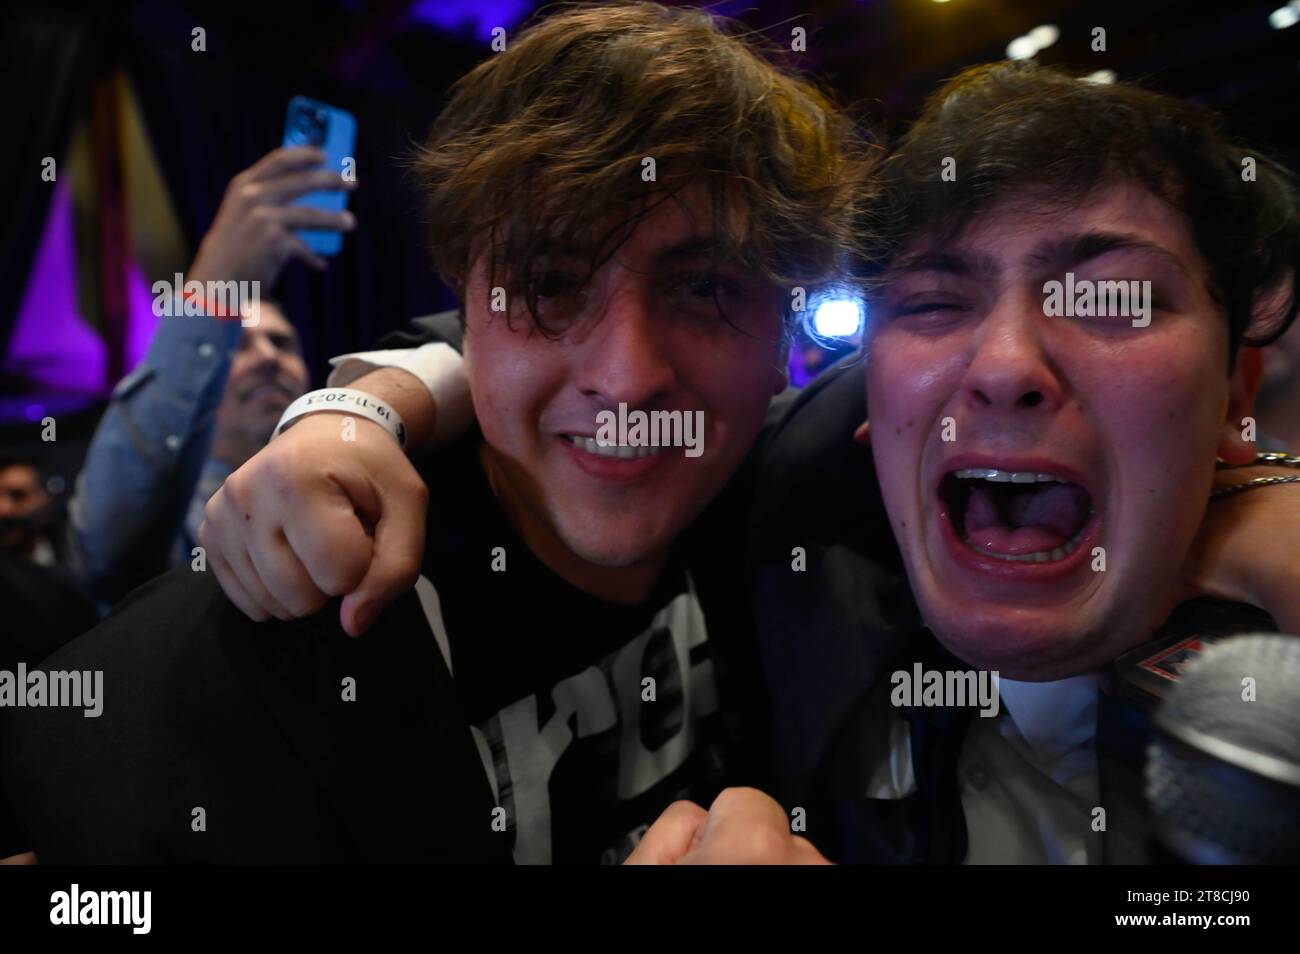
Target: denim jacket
[{"x": 131, "y": 510}]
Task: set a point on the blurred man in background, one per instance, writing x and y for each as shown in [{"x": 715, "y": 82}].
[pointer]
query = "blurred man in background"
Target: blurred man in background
[
  {"x": 208, "y": 394},
  {"x": 22, "y": 498},
  {"x": 44, "y": 608}
]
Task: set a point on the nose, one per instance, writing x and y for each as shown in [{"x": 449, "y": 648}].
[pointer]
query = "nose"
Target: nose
[
  {"x": 1010, "y": 369},
  {"x": 263, "y": 351},
  {"x": 627, "y": 355}
]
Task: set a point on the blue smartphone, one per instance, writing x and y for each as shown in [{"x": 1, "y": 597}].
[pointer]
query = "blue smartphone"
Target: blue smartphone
[{"x": 333, "y": 131}]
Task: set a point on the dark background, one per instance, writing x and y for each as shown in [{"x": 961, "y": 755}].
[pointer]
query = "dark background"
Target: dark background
[{"x": 212, "y": 114}]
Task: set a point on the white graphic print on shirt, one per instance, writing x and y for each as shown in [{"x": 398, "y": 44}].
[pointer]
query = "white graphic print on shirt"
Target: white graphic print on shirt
[{"x": 617, "y": 745}]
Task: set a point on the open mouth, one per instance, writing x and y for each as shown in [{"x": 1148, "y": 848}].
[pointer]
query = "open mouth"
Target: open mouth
[
  {"x": 1019, "y": 516},
  {"x": 619, "y": 451}
]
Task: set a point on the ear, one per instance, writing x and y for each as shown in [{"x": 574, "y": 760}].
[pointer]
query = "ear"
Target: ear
[{"x": 1243, "y": 386}]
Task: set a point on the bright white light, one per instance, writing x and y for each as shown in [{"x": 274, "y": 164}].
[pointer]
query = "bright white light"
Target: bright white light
[
  {"x": 1044, "y": 35},
  {"x": 1101, "y": 76},
  {"x": 1284, "y": 17},
  {"x": 1021, "y": 48},
  {"x": 1036, "y": 40},
  {"x": 838, "y": 317}
]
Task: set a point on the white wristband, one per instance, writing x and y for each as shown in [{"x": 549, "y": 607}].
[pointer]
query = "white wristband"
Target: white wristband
[
  {"x": 345, "y": 401},
  {"x": 439, "y": 366}
]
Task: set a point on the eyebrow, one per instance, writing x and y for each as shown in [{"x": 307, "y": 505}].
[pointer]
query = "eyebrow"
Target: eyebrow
[
  {"x": 960, "y": 264},
  {"x": 1076, "y": 249},
  {"x": 1058, "y": 253},
  {"x": 687, "y": 250}
]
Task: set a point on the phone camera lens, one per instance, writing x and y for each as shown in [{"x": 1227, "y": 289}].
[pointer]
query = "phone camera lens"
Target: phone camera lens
[{"x": 309, "y": 126}]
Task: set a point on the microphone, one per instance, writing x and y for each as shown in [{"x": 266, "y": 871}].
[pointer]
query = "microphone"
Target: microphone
[{"x": 1223, "y": 764}]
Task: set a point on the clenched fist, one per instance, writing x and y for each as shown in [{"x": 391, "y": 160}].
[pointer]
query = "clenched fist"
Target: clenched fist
[
  {"x": 255, "y": 231},
  {"x": 312, "y": 516},
  {"x": 742, "y": 827}
]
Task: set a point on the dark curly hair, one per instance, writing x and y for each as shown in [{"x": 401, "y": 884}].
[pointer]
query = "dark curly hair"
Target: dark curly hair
[{"x": 1016, "y": 127}]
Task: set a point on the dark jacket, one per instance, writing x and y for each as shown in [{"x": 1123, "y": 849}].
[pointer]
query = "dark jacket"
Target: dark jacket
[{"x": 204, "y": 709}]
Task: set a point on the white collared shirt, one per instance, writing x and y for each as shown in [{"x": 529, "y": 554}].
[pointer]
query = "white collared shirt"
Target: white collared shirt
[{"x": 1028, "y": 776}]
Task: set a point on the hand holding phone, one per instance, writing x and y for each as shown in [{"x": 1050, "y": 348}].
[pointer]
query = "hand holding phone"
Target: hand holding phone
[
  {"x": 334, "y": 132},
  {"x": 260, "y": 223}
]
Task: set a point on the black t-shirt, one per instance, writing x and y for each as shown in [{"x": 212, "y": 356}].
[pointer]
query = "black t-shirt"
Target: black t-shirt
[
  {"x": 590, "y": 717},
  {"x": 561, "y": 728}
]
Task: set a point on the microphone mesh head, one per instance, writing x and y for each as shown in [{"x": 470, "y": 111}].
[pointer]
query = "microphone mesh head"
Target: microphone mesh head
[{"x": 1223, "y": 768}]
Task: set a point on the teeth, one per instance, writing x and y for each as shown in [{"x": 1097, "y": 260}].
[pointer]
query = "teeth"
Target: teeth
[
  {"x": 1023, "y": 477},
  {"x": 1006, "y": 476},
  {"x": 620, "y": 451},
  {"x": 1042, "y": 556}
]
